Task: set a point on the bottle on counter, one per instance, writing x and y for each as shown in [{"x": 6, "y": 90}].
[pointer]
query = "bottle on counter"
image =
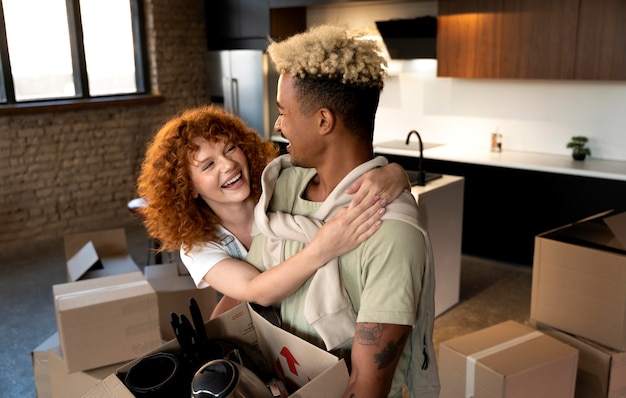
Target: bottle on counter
[{"x": 496, "y": 142}]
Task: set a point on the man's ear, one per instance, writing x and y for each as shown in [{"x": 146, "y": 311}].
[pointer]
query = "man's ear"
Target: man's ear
[{"x": 326, "y": 121}]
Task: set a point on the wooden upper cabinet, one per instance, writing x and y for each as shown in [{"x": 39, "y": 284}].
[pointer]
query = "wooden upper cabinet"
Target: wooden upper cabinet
[
  {"x": 533, "y": 39},
  {"x": 601, "y": 46},
  {"x": 538, "y": 39},
  {"x": 468, "y": 36}
]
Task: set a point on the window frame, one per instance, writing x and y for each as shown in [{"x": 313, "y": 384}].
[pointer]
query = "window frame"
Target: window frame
[{"x": 82, "y": 97}]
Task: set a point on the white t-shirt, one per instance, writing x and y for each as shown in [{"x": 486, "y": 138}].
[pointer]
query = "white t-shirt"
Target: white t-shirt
[{"x": 201, "y": 258}]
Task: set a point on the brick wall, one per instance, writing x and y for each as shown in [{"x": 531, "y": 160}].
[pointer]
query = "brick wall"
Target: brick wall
[{"x": 71, "y": 171}]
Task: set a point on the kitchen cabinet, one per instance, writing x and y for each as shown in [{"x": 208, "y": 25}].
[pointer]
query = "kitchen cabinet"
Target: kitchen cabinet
[
  {"x": 441, "y": 204},
  {"x": 601, "y": 53},
  {"x": 532, "y": 39},
  {"x": 504, "y": 208},
  {"x": 538, "y": 39},
  {"x": 237, "y": 24},
  {"x": 246, "y": 24},
  {"x": 468, "y": 33},
  {"x": 303, "y": 3}
]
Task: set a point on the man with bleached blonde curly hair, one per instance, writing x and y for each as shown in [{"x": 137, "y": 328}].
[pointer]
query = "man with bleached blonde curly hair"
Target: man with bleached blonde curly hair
[{"x": 375, "y": 306}]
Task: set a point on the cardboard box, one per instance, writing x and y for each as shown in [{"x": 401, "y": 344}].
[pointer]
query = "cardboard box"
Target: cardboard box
[
  {"x": 97, "y": 253},
  {"x": 41, "y": 370},
  {"x": 174, "y": 288},
  {"x": 507, "y": 360},
  {"x": 601, "y": 370},
  {"x": 313, "y": 371},
  {"x": 579, "y": 279},
  {"x": 106, "y": 320},
  {"x": 69, "y": 385}
]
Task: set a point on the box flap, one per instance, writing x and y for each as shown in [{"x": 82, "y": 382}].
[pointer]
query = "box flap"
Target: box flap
[
  {"x": 50, "y": 342},
  {"x": 597, "y": 232},
  {"x": 84, "y": 260},
  {"x": 597, "y": 216},
  {"x": 113, "y": 266},
  {"x": 96, "y": 254},
  {"x": 108, "y": 243},
  {"x": 297, "y": 360},
  {"x": 111, "y": 386},
  {"x": 617, "y": 224}
]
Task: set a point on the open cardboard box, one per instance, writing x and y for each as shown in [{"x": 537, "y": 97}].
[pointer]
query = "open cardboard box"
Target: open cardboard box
[
  {"x": 601, "y": 370},
  {"x": 507, "y": 360},
  {"x": 106, "y": 320},
  {"x": 97, "y": 253},
  {"x": 309, "y": 370},
  {"x": 579, "y": 279},
  {"x": 51, "y": 377},
  {"x": 174, "y": 288}
]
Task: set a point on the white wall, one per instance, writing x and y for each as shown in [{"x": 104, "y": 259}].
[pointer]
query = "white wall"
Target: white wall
[{"x": 532, "y": 115}]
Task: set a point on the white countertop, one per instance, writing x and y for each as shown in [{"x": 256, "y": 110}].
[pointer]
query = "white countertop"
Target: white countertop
[
  {"x": 434, "y": 185},
  {"x": 594, "y": 168}
]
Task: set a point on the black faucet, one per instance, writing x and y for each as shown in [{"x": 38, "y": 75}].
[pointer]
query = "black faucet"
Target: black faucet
[{"x": 421, "y": 174}]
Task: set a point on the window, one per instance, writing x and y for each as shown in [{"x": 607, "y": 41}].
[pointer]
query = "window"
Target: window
[{"x": 70, "y": 49}]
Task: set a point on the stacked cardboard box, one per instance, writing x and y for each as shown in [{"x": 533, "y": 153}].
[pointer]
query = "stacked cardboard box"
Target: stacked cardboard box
[
  {"x": 579, "y": 292},
  {"x": 601, "y": 370},
  {"x": 507, "y": 360},
  {"x": 51, "y": 377},
  {"x": 108, "y": 312},
  {"x": 308, "y": 370},
  {"x": 41, "y": 371},
  {"x": 106, "y": 320}
]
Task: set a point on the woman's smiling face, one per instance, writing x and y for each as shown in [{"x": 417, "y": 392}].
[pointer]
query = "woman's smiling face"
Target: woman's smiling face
[{"x": 219, "y": 173}]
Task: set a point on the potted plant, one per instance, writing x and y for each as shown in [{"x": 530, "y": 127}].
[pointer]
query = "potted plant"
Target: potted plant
[{"x": 579, "y": 148}]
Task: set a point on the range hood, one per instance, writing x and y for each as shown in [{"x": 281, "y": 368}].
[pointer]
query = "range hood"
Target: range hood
[{"x": 410, "y": 38}]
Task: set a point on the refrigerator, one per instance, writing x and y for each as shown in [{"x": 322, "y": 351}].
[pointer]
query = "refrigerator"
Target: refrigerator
[{"x": 244, "y": 83}]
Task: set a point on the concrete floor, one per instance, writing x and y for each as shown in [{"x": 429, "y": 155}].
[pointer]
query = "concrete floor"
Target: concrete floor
[{"x": 490, "y": 293}]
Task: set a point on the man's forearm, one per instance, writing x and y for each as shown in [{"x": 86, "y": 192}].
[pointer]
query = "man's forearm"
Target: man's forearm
[{"x": 376, "y": 350}]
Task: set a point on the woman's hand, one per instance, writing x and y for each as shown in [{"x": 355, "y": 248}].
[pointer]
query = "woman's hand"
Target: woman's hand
[
  {"x": 383, "y": 182},
  {"x": 348, "y": 228}
]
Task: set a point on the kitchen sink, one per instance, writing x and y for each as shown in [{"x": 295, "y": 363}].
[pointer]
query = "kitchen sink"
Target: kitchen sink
[
  {"x": 413, "y": 177},
  {"x": 413, "y": 146}
]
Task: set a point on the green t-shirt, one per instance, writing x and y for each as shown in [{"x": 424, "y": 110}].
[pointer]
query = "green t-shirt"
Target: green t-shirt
[{"x": 383, "y": 276}]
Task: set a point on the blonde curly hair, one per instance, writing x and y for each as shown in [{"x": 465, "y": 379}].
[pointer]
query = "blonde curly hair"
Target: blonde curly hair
[
  {"x": 337, "y": 69},
  {"x": 173, "y": 216},
  {"x": 332, "y": 52}
]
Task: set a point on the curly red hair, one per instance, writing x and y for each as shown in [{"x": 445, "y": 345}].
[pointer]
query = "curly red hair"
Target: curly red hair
[{"x": 173, "y": 216}]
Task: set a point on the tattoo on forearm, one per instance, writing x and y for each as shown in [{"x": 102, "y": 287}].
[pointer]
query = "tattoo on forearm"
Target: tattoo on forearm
[{"x": 371, "y": 334}]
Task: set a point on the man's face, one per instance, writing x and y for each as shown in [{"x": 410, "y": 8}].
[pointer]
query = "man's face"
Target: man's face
[{"x": 297, "y": 128}]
